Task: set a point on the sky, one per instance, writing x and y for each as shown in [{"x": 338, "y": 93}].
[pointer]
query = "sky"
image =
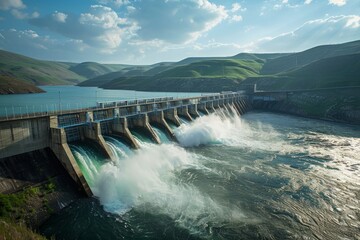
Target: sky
[{"x": 150, "y": 31}]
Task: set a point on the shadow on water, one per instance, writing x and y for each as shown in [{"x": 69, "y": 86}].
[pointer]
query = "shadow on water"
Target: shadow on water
[{"x": 86, "y": 219}]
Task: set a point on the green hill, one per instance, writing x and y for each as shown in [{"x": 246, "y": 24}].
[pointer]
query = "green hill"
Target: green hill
[
  {"x": 203, "y": 76},
  {"x": 257, "y": 56},
  {"x": 340, "y": 71},
  {"x": 93, "y": 69},
  {"x": 229, "y": 68},
  {"x": 37, "y": 72},
  {"x": 10, "y": 85},
  {"x": 129, "y": 71},
  {"x": 297, "y": 60}
]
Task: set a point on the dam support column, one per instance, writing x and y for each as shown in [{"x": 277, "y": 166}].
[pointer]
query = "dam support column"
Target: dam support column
[
  {"x": 202, "y": 108},
  {"x": 184, "y": 111},
  {"x": 171, "y": 114},
  {"x": 238, "y": 107},
  {"x": 158, "y": 117},
  {"x": 120, "y": 126},
  {"x": 93, "y": 132},
  {"x": 210, "y": 107},
  {"x": 193, "y": 111},
  {"x": 62, "y": 151},
  {"x": 233, "y": 106},
  {"x": 143, "y": 122}
]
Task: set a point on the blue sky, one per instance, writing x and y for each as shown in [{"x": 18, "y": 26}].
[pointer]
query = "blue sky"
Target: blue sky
[{"x": 150, "y": 31}]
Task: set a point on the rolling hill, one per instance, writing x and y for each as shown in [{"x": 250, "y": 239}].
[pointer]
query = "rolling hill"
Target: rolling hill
[
  {"x": 319, "y": 67},
  {"x": 37, "y": 72},
  {"x": 340, "y": 71},
  {"x": 93, "y": 69},
  {"x": 297, "y": 60},
  {"x": 10, "y": 85},
  {"x": 129, "y": 71},
  {"x": 322, "y": 66},
  {"x": 206, "y": 76}
]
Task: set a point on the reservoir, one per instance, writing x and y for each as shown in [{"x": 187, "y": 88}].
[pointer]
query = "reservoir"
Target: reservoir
[{"x": 58, "y": 98}]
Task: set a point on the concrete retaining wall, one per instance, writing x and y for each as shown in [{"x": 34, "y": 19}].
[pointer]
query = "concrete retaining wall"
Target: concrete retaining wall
[{"x": 21, "y": 136}]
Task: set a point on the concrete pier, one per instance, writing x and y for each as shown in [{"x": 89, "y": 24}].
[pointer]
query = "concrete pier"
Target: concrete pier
[
  {"x": 158, "y": 118},
  {"x": 184, "y": 112},
  {"x": 171, "y": 115},
  {"x": 93, "y": 132},
  {"x": 120, "y": 127},
  {"x": 142, "y": 121}
]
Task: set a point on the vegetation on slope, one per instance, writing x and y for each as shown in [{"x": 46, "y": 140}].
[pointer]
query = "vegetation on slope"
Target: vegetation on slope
[
  {"x": 18, "y": 211},
  {"x": 129, "y": 71},
  {"x": 340, "y": 71},
  {"x": 228, "y": 68},
  {"x": 37, "y": 72},
  {"x": 93, "y": 69},
  {"x": 10, "y": 85},
  {"x": 301, "y": 59},
  {"x": 319, "y": 67},
  {"x": 15, "y": 231},
  {"x": 204, "y": 76}
]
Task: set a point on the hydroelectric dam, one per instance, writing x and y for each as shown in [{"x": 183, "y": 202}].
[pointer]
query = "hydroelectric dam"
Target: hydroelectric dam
[{"x": 25, "y": 140}]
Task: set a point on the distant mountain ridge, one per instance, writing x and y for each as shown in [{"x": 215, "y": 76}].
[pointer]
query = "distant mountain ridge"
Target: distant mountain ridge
[
  {"x": 320, "y": 66},
  {"x": 323, "y": 66}
]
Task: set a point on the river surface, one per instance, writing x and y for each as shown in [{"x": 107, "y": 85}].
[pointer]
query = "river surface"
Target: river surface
[
  {"x": 261, "y": 176},
  {"x": 71, "y": 97}
]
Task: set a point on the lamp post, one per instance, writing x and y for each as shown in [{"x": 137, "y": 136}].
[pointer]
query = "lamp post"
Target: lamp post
[{"x": 59, "y": 101}]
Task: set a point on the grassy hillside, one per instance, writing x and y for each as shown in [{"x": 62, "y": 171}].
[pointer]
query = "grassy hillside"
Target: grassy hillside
[
  {"x": 37, "y": 72},
  {"x": 93, "y": 69},
  {"x": 301, "y": 59},
  {"x": 129, "y": 71},
  {"x": 340, "y": 71},
  {"x": 205, "y": 76},
  {"x": 228, "y": 68},
  {"x": 10, "y": 85},
  {"x": 257, "y": 56}
]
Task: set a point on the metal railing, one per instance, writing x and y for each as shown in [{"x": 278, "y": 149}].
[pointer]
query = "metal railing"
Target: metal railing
[{"x": 49, "y": 110}]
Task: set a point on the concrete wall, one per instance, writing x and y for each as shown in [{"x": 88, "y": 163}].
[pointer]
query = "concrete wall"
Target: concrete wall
[
  {"x": 27, "y": 169},
  {"x": 23, "y": 136}
]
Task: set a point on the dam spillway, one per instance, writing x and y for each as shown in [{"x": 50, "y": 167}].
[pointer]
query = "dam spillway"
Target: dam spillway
[{"x": 56, "y": 131}]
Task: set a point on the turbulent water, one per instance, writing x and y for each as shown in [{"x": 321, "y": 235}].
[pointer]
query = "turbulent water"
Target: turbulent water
[{"x": 261, "y": 176}]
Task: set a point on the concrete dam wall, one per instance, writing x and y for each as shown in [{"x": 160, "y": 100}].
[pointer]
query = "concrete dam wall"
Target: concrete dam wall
[{"x": 35, "y": 149}]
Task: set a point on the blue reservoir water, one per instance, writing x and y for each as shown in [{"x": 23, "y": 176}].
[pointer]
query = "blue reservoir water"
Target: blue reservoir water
[{"x": 72, "y": 97}]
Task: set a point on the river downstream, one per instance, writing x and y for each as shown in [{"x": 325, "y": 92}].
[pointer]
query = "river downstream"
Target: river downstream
[{"x": 261, "y": 176}]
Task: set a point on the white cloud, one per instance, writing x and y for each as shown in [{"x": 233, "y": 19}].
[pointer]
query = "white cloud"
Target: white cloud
[
  {"x": 117, "y": 3},
  {"x": 10, "y": 4},
  {"x": 18, "y": 14},
  {"x": 42, "y": 47},
  {"x": 316, "y": 32},
  {"x": 236, "y": 18},
  {"x": 353, "y": 22},
  {"x": 236, "y": 7},
  {"x": 307, "y": 1},
  {"x": 175, "y": 21},
  {"x": 337, "y": 2},
  {"x": 100, "y": 28},
  {"x": 59, "y": 17},
  {"x": 22, "y": 15}
]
